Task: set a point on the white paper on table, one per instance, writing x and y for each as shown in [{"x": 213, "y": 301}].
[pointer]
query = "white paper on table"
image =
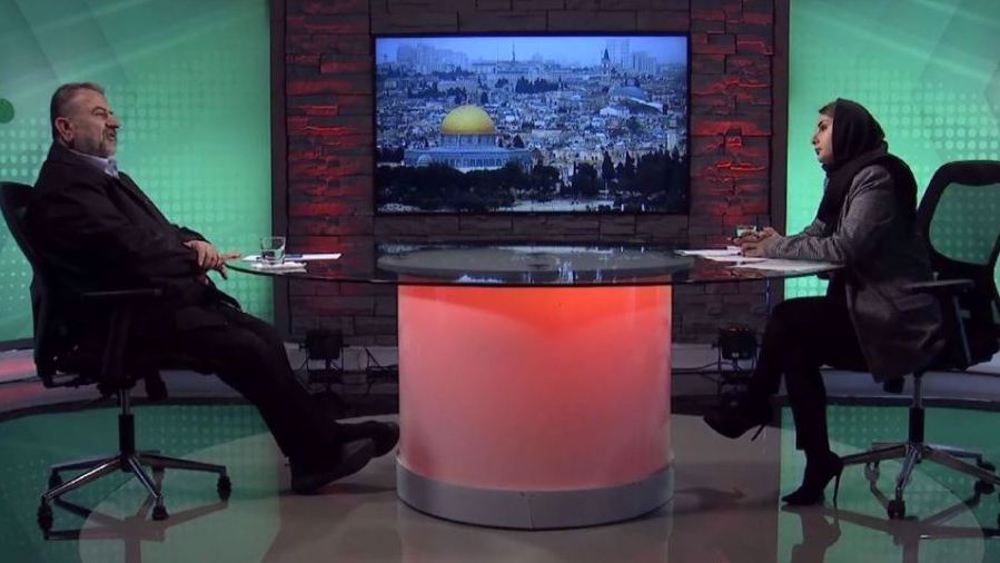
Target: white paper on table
[
  {"x": 299, "y": 257},
  {"x": 285, "y": 266},
  {"x": 780, "y": 265},
  {"x": 736, "y": 259},
  {"x": 307, "y": 257},
  {"x": 712, "y": 252}
]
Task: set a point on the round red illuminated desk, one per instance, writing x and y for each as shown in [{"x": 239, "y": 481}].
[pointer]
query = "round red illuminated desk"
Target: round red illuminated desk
[{"x": 534, "y": 380}]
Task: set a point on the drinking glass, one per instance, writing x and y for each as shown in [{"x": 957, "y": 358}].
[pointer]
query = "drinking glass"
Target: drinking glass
[{"x": 272, "y": 250}]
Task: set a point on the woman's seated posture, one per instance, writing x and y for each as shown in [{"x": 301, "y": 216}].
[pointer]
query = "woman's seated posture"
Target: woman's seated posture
[{"x": 866, "y": 321}]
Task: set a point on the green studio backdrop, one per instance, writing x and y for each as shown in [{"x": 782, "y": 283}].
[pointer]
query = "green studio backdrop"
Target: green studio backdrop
[
  {"x": 190, "y": 80},
  {"x": 928, "y": 70}
]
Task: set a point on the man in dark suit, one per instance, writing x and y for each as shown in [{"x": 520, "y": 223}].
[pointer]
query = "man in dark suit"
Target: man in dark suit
[{"x": 96, "y": 230}]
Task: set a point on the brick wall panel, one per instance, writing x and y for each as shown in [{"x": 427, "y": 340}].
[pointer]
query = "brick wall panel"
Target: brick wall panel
[
  {"x": 321, "y": 7},
  {"x": 538, "y": 5},
  {"x": 611, "y": 21},
  {"x": 672, "y": 5},
  {"x": 662, "y": 21},
  {"x": 713, "y": 43},
  {"x": 628, "y": 5},
  {"x": 502, "y": 22},
  {"x": 494, "y": 5},
  {"x": 426, "y": 22}
]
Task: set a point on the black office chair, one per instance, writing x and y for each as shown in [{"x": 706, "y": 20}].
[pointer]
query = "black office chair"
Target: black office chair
[
  {"x": 959, "y": 217},
  {"x": 109, "y": 368}
]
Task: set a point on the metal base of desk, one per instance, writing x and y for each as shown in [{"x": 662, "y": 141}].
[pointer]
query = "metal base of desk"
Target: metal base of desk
[{"x": 533, "y": 509}]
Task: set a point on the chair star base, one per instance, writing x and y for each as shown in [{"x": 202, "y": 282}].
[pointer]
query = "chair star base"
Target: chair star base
[{"x": 127, "y": 460}]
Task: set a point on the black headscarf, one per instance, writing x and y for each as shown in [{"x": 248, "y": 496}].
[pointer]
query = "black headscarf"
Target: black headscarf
[{"x": 859, "y": 141}]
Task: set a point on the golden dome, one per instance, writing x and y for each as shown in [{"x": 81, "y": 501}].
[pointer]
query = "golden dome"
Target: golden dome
[{"x": 468, "y": 120}]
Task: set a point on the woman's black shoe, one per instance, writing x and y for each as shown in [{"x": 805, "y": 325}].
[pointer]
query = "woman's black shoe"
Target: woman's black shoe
[
  {"x": 819, "y": 471},
  {"x": 740, "y": 414}
]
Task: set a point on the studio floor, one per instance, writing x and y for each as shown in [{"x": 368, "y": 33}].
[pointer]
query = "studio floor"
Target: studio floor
[{"x": 724, "y": 506}]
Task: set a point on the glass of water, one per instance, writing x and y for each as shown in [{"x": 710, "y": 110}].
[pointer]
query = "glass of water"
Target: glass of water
[
  {"x": 746, "y": 230},
  {"x": 272, "y": 250}
]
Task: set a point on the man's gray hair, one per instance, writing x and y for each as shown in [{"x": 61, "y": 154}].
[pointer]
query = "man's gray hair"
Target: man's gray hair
[{"x": 61, "y": 101}]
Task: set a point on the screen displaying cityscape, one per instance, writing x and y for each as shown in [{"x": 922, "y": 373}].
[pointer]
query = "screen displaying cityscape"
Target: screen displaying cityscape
[{"x": 532, "y": 124}]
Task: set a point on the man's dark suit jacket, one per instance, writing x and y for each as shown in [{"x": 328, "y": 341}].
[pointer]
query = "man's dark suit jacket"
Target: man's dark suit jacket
[{"x": 95, "y": 232}]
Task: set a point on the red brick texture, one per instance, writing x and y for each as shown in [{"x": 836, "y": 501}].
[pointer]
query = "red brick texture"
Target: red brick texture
[{"x": 328, "y": 72}]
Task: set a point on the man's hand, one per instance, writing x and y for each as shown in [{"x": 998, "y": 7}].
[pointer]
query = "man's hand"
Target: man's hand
[
  {"x": 209, "y": 257},
  {"x": 221, "y": 268}
]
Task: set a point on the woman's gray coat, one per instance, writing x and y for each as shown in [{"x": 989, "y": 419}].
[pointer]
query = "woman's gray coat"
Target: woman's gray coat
[{"x": 899, "y": 332}]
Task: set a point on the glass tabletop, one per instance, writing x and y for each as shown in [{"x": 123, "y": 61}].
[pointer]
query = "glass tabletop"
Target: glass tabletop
[{"x": 534, "y": 265}]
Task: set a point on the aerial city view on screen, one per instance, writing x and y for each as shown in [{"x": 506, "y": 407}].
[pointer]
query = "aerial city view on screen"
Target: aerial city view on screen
[{"x": 532, "y": 124}]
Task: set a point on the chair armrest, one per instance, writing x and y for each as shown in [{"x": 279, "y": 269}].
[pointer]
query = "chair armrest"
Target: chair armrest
[
  {"x": 941, "y": 288},
  {"x": 144, "y": 294},
  {"x": 947, "y": 292}
]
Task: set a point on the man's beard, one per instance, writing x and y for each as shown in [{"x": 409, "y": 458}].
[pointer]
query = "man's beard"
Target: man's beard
[{"x": 100, "y": 149}]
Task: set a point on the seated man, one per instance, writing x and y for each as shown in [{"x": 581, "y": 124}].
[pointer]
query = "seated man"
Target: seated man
[{"x": 96, "y": 230}]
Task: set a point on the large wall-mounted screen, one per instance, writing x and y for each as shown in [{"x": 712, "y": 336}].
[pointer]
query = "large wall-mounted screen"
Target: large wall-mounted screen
[{"x": 532, "y": 124}]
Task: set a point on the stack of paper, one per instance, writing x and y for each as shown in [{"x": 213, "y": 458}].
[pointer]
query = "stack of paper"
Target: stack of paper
[
  {"x": 728, "y": 254},
  {"x": 299, "y": 257},
  {"x": 286, "y": 266},
  {"x": 712, "y": 252}
]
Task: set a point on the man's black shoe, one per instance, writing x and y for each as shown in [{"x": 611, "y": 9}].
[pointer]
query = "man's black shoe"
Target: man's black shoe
[
  {"x": 309, "y": 477},
  {"x": 384, "y": 434}
]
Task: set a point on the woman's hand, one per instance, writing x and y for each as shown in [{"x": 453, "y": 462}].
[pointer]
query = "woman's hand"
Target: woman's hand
[
  {"x": 753, "y": 244},
  {"x": 756, "y": 236}
]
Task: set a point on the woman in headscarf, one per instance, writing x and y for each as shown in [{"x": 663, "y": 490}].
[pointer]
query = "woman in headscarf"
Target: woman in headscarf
[{"x": 867, "y": 321}]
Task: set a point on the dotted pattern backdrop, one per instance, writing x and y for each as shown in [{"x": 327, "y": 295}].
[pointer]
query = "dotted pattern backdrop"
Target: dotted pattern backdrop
[
  {"x": 928, "y": 72},
  {"x": 191, "y": 83}
]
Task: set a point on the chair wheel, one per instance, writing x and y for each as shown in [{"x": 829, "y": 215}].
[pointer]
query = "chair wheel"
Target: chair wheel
[
  {"x": 984, "y": 487},
  {"x": 54, "y": 480},
  {"x": 160, "y": 513},
  {"x": 224, "y": 487},
  {"x": 896, "y": 509},
  {"x": 44, "y": 516}
]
